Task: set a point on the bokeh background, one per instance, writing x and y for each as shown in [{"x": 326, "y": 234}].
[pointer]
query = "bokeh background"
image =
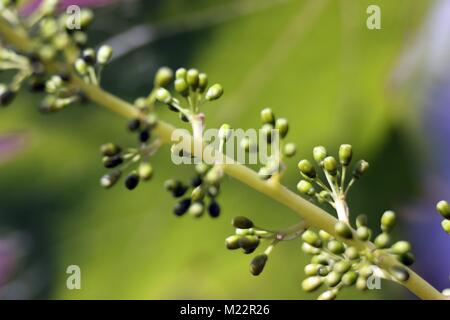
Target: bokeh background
[{"x": 313, "y": 61}]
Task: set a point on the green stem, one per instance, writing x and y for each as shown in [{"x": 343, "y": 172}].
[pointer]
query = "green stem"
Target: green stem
[{"x": 312, "y": 214}]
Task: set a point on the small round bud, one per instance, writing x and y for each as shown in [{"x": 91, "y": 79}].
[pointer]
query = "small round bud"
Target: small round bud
[
  {"x": 328, "y": 295},
  {"x": 196, "y": 209},
  {"x": 333, "y": 278},
  {"x": 388, "y": 220},
  {"x": 202, "y": 82},
  {"x": 361, "y": 283},
  {"x": 267, "y": 132},
  {"x": 249, "y": 242},
  {"x": 330, "y": 165},
  {"x": 312, "y": 283},
  {"x": 104, "y": 54},
  {"x": 363, "y": 233},
  {"x": 360, "y": 168},
  {"x": 336, "y": 247},
  {"x": 267, "y": 116},
  {"x": 407, "y": 259},
  {"x": 88, "y": 55},
  {"x": 320, "y": 258},
  {"x": 311, "y": 238},
  {"x": 361, "y": 220},
  {"x": 81, "y": 66},
  {"x": 382, "y": 240},
  {"x": 163, "y": 77},
  {"x": 163, "y": 95},
  {"x": 214, "y": 92},
  {"x": 132, "y": 181},
  {"x": 319, "y": 153},
  {"x": 306, "y": 187},
  {"x": 349, "y": 278},
  {"x": 323, "y": 271},
  {"x": 214, "y": 209},
  {"x": 181, "y": 73},
  {"x": 257, "y": 264},
  {"x": 112, "y": 162},
  {"x": 345, "y": 154},
  {"x": 312, "y": 269},
  {"x": 307, "y": 169},
  {"x": 232, "y": 242},
  {"x": 192, "y": 78},
  {"x": 181, "y": 87},
  {"x": 201, "y": 168},
  {"x": 352, "y": 253},
  {"x": 399, "y": 273},
  {"x": 446, "y": 292},
  {"x": 110, "y": 179},
  {"x": 282, "y": 126},
  {"x": 343, "y": 230},
  {"x": 401, "y": 247},
  {"x": 289, "y": 150},
  {"x": 196, "y": 181},
  {"x": 444, "y": 209},
  {"x": 145, "y": 171},
  {"x": 309, "y": 249},
  {"x": 446, "y": 225},
  {"x": 325, "y": 236},
  {"x": 342, "y": 266},
  {"x": 134, "y": 125},
  {"x": 197, "y": 194},
  {"x": 242, "y": 223}
]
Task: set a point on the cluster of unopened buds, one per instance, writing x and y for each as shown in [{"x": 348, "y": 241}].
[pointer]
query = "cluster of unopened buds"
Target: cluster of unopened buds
[{"x": 444, "y": 209}]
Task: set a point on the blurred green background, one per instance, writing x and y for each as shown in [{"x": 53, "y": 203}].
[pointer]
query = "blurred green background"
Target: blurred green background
[{"x": 312, "y": 61}]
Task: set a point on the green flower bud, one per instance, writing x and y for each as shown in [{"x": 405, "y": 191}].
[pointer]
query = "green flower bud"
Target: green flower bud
[
  {"x": 104, "y": 54},
  {"x": 361, "y": 283},
  {"x": 333, "y": 279},
  {"x": 320, "y": 259},
  {"x": 192, "y": 78},
  {"x": 446, "y": 225},
  {"x": 307, "y": 169},
  {"x": 311, "y": 238},
  {"x": 336, "y": 247},
  {"x": 110, "y": 179},
  {"x": 343, "y": 230},
  {"x": 249, "y": 242},
  {"x": 232, "y": 242},
  {"x": 366, "y": 271},
  {"x": 6, "y": 96},
  {"x": 352, "y": 253},
  {"x": 267, "y": 116},
  {"x": 360, "y": 168},
  {"x": 325, "y": 236},
  {"x": 312, "y": 283},
  {"x": 196, "y": 209},
  {"x": 388, "y": 220},
  {"x": 242, "y": 223},
  {"x": 446, "y": 292},
  {"x": 282, "y": 126},
  {"x": 330, "y": 165},
  {"x": 399, "y": 273},
  {"x": 202, "y": 82},
  {"x": 197, "y": 194},
  {"x": 444, "y": 209},
  {"x": 225, "y": 132},
  {"x": 182, "y": 87},
  {"x": 257, "y": 264},
  {"x": 289, "y": 150},
  {"x": 213, "y": 177},
  {"x": 163, "y": 95},
  {"x": 342, "y": 266},
  {"x": 328, "y": 295},
  {"x": 349, "y": 278},
  {"x": 382, "y": 240},
  {"x": 132, "y": 180},
  {"x": 267, "y": 132},
  {"x": 245, "y": 232},
  {"x": 312, "y": 269},
  {"x": 361, "y": 220},
  {"x": 214, "y": 92},
  {"x": 401, "y": 247},
  {"x": 306, "y": 187},
  {"x": 145, "y": 171},
  {"x": 163, "y": 77},
  {"x": 319, "y": 154},
  {"x": 363, "y": 233},
  {"x": 88, "y": 55},
  {"x": 323, "y": 271},
  {"x": 86, "y": 17},
  {"x": 201, "y": 168},
  {"x": 109, "y": 149},
  {"x": 181, "y": 73},
  {"x": 345, "y": 154},
  {"x": 309, "y": 249}
]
